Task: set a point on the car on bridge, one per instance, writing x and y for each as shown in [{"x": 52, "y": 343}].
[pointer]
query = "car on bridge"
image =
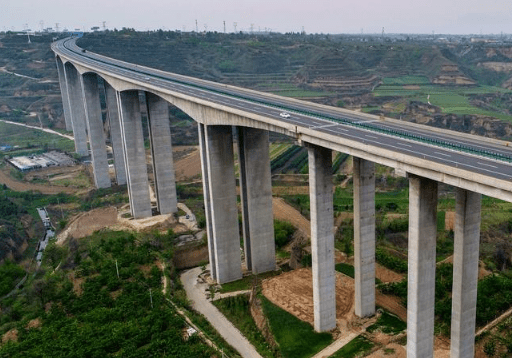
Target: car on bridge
[{"x": 284, "y": 115}]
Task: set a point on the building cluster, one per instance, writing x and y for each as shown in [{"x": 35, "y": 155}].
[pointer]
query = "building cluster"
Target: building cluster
[{"x": 32, "y": 162}]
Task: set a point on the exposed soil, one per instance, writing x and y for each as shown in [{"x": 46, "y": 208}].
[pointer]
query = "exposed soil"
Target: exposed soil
[
  {"x": 16, "y": 185},
  {"x": 189, "y": 165},
  {"x": 293, "y": 292},
  {"x": 88, "y": 222},
  {"x": 386, "y": 275},
  {"x": 283, "y": 211},
  {"x": 399, "y": 352}
]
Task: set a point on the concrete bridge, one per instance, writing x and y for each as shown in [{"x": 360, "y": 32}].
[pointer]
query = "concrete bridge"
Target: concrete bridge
[{"x": 428, "y": 156}]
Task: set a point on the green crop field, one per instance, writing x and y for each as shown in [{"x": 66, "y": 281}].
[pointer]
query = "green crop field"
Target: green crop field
[
  {"x": 11, "y": 134},
  {"x": 450, "y": 99}
]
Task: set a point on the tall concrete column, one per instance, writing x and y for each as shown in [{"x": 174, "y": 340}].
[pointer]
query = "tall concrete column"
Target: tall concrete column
[
  {"x": 465, "y": 273},
  {"x": 364, "y": 236},
  {"x": 115, "y": 133},
  {"x": 221, "y": 175},
  {"x": 64, "y": 94},
  {"x": 422, "y": 267},
  {"x": 322, "y": 238},
  {"x": 161, "y": 149},
  {"x": 207, "y": 203},
  {"x": 135, "y": 154},
  {"x": 256, "y": 199},
  {"x": 92, "y": 106},
  {"x": 77, "y": 109}
]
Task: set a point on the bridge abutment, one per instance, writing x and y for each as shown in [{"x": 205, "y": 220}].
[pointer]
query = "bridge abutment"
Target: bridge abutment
[
  {"x": 74, "y": 88},
  {"x": 135, "y": 154},
  {"x": 322, "y": 238},
  {"x": 224, "y": 212},
  {"x": 161, "y": 152},
  {"x": 115, "y": 133},
  {"x": 422, "y": 267},
  {"x": 465, "y": 273},
  {"x": 91, "y": 100},
  {"x": 364, "y": 237},
  {"x": 256, "y": 199}
]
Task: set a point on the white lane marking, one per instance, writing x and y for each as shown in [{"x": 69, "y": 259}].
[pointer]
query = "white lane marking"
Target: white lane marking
[
  {"x": 404, "y": 144},
  {"x": 371, "y": 136},
  {"x": 324, "y": 126},
  {"x": 446, "y": 155},
  {"x": 489, "y": 165},
  {"x": 368, "y": 121}
]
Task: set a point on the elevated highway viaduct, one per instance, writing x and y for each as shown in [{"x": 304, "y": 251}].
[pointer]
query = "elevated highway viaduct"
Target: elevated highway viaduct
[{"x": 473, "y": 165}]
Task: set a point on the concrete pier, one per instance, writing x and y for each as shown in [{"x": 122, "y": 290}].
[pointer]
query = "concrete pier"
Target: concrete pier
[
  {"x": 465, "y": 273},
  {"x": 364, "y": 237},
  {"x": 221, "y": 174},
  {"x": 256, "y": 199},
  {"x": 135, "y": 154},
  {"x": 64, "y": 93},
  {"x": 91, "y": 96},
  {"x": 77, "y": 109},
  {"x": 322, "y": 238},
  {"x": 161, "y": 150},
  {"x": 207, "y": 203},
  {"x": 422, "y": 267},
  {"x": 115, "y": 133}
]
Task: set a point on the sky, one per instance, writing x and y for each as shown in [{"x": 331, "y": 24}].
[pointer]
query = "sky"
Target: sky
[{"x": 318, "y": 16}]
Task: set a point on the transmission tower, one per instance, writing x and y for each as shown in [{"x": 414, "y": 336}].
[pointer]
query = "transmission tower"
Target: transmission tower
[
  {"x": 56, "y": 27},
  {"x": 224, "y": 26},
  {"x": 197, "y": 29},
  {"x": 234, "y": 25},
  {"x": 104, "y": 25}
]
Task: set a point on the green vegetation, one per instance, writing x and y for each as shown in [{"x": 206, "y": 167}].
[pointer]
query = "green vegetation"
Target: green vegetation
[
  {"x": 110, "y": 316},
  {"x": 387, "y": 323},
  {"x": 345, "y": 269},
  {"x": 392, "y": 262},
  {"x": 296, "y": 338},
  {"x": 355, "y": 348},
  {"x": 283, "y": 232},
  {"x": 451, "y": 99},
  {"x": 33, "y": 139},
  {"x": 236, "y": 309},
  {"x": 10, "y": 275}
]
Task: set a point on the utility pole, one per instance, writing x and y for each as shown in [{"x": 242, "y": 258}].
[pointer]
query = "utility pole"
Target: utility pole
[
  {"x": 197, "y": 29},
  {"x": 224, "y": 26}
]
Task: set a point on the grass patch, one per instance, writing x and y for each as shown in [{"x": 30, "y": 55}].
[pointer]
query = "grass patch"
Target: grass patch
[
  {"x": 237, "y": 310},
  {"x": 345, "y": 269},
  {"x": 356, "y": 347},
  {"x": 296, "y": 338},
  {"x": 388, "y": 323},
  {"x": 246, "y": 282}
]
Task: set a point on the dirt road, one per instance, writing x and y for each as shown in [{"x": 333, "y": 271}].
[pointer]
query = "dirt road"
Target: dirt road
[{"x": 196, "y": 293}]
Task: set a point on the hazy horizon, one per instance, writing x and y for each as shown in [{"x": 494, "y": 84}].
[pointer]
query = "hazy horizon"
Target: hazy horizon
[{"x": 324, "y": 16}]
